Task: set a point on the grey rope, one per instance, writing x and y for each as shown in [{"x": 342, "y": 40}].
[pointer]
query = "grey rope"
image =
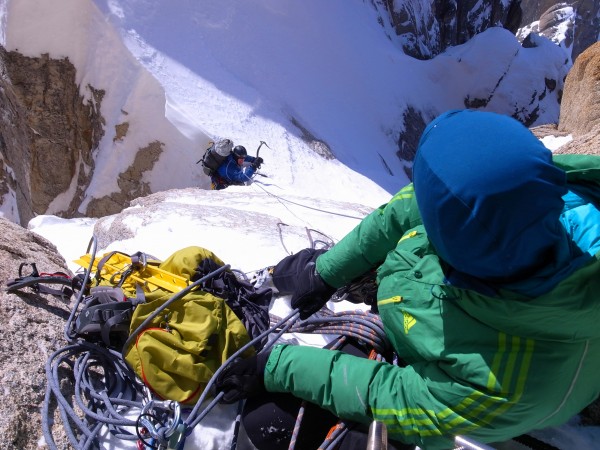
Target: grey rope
[
  {"x": 281, "y": 199},
  {"x": 92, "y": 245},
  {"x": 90, "y": 360}
]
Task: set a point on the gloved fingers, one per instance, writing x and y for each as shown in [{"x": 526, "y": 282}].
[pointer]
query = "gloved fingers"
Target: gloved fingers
[
  {"x": 241, "y": 378},
  {"x": 305, "y": 313},
  {"x": 226, "y": 373},
  {"x": 286, "y": 272},
  {"x": 231, "y": 396},
  {"x": 231, "y": 391},
  {"x": 310, "y": 304},
  {"x": 312, "y": 292},
  {"x": 230, "y": 384}
]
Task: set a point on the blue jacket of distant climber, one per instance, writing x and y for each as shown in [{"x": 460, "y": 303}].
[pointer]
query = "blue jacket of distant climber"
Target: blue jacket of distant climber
[
  {"x": 488, "y": 289},
  {"x": 232, "y": 173}
]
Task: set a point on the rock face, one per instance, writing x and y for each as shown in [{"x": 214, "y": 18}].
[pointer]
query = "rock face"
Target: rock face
[
  {"x": 426, "y": 29},
  {"x": 31, "y": 328},
  {"x": 537, "y": 101},
  {"x": 130, "y": 183},
  {"x": 49, "y": 137},
  {"x": 580, "y": 107},
  {"x": 49, "y": 152},
  {"x": 573, "y": 25},
  {"x": 15, "y": 153}
]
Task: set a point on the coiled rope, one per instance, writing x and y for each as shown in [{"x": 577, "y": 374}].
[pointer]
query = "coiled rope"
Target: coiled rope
[
  {"x": 105, "y": 389},
  {"x": 362, "y": 325}
]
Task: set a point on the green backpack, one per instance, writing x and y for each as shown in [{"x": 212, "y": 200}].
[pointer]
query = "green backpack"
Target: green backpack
[{"x": 179, "y": 351}]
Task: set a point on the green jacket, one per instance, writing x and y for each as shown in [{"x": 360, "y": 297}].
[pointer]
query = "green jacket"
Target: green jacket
[{"x": 487, "y": 367}]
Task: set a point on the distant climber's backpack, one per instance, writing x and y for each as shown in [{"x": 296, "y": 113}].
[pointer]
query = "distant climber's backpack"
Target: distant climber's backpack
[{"x": 215, "y": 155}]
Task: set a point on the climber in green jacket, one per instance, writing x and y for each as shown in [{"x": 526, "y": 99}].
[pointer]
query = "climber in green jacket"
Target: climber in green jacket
[{"x": 488, "y": 287}]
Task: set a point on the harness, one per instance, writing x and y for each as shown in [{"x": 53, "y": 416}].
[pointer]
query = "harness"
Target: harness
[{"x": 217, "y": 182}]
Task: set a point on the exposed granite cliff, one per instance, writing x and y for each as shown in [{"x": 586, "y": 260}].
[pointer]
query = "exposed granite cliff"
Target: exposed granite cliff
[{"x": 49, "y": 134}]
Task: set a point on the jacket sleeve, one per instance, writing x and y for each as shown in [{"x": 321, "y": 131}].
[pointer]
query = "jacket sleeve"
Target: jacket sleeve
[
  {"x": 364, "y": 390},
  {"x": 232, "y": 172},
  {"x": 368, "y": 243}
]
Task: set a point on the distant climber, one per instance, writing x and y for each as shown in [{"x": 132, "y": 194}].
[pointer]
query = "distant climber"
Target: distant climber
[{"x": 237, "y": 169}]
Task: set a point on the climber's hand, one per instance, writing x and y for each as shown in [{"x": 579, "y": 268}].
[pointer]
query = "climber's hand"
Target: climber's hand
[
  {"x": 242, "y": 378},
  {"x": 311, "y": 292}
]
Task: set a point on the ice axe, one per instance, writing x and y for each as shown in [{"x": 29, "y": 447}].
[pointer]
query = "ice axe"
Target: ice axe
[{"x": 261, "y": 144}]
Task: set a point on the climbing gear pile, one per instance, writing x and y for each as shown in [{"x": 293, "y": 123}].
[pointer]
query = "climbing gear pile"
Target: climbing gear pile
[{"x": 133, "y": 316}]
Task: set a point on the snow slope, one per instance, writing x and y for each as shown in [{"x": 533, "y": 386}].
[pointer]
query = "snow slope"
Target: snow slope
[{"x": 299, "y": 76}]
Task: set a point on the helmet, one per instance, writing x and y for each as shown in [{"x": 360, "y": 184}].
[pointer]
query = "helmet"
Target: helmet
[{"x": 239, "y": 151}]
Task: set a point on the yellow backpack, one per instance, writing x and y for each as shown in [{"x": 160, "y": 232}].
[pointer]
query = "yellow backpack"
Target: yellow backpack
[{"x": 179, "y": 350}]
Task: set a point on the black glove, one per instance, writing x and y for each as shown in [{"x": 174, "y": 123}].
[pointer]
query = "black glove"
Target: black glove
[
  {"x": 242, "y": 378},
  {"x": 257, "y": 163},
  {"x": 287, "y": 271},
  {"x": 311, "y": 291}
]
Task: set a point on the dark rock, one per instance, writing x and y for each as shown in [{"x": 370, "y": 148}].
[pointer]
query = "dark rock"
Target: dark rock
[
  {"x": 573, "y": 25},
  {"x": 427, "y": 30},
  {"x": 50, "y": 130}
]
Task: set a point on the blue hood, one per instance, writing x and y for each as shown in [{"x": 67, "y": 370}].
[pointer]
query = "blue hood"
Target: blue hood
[{"x": 489, "y": 195}]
